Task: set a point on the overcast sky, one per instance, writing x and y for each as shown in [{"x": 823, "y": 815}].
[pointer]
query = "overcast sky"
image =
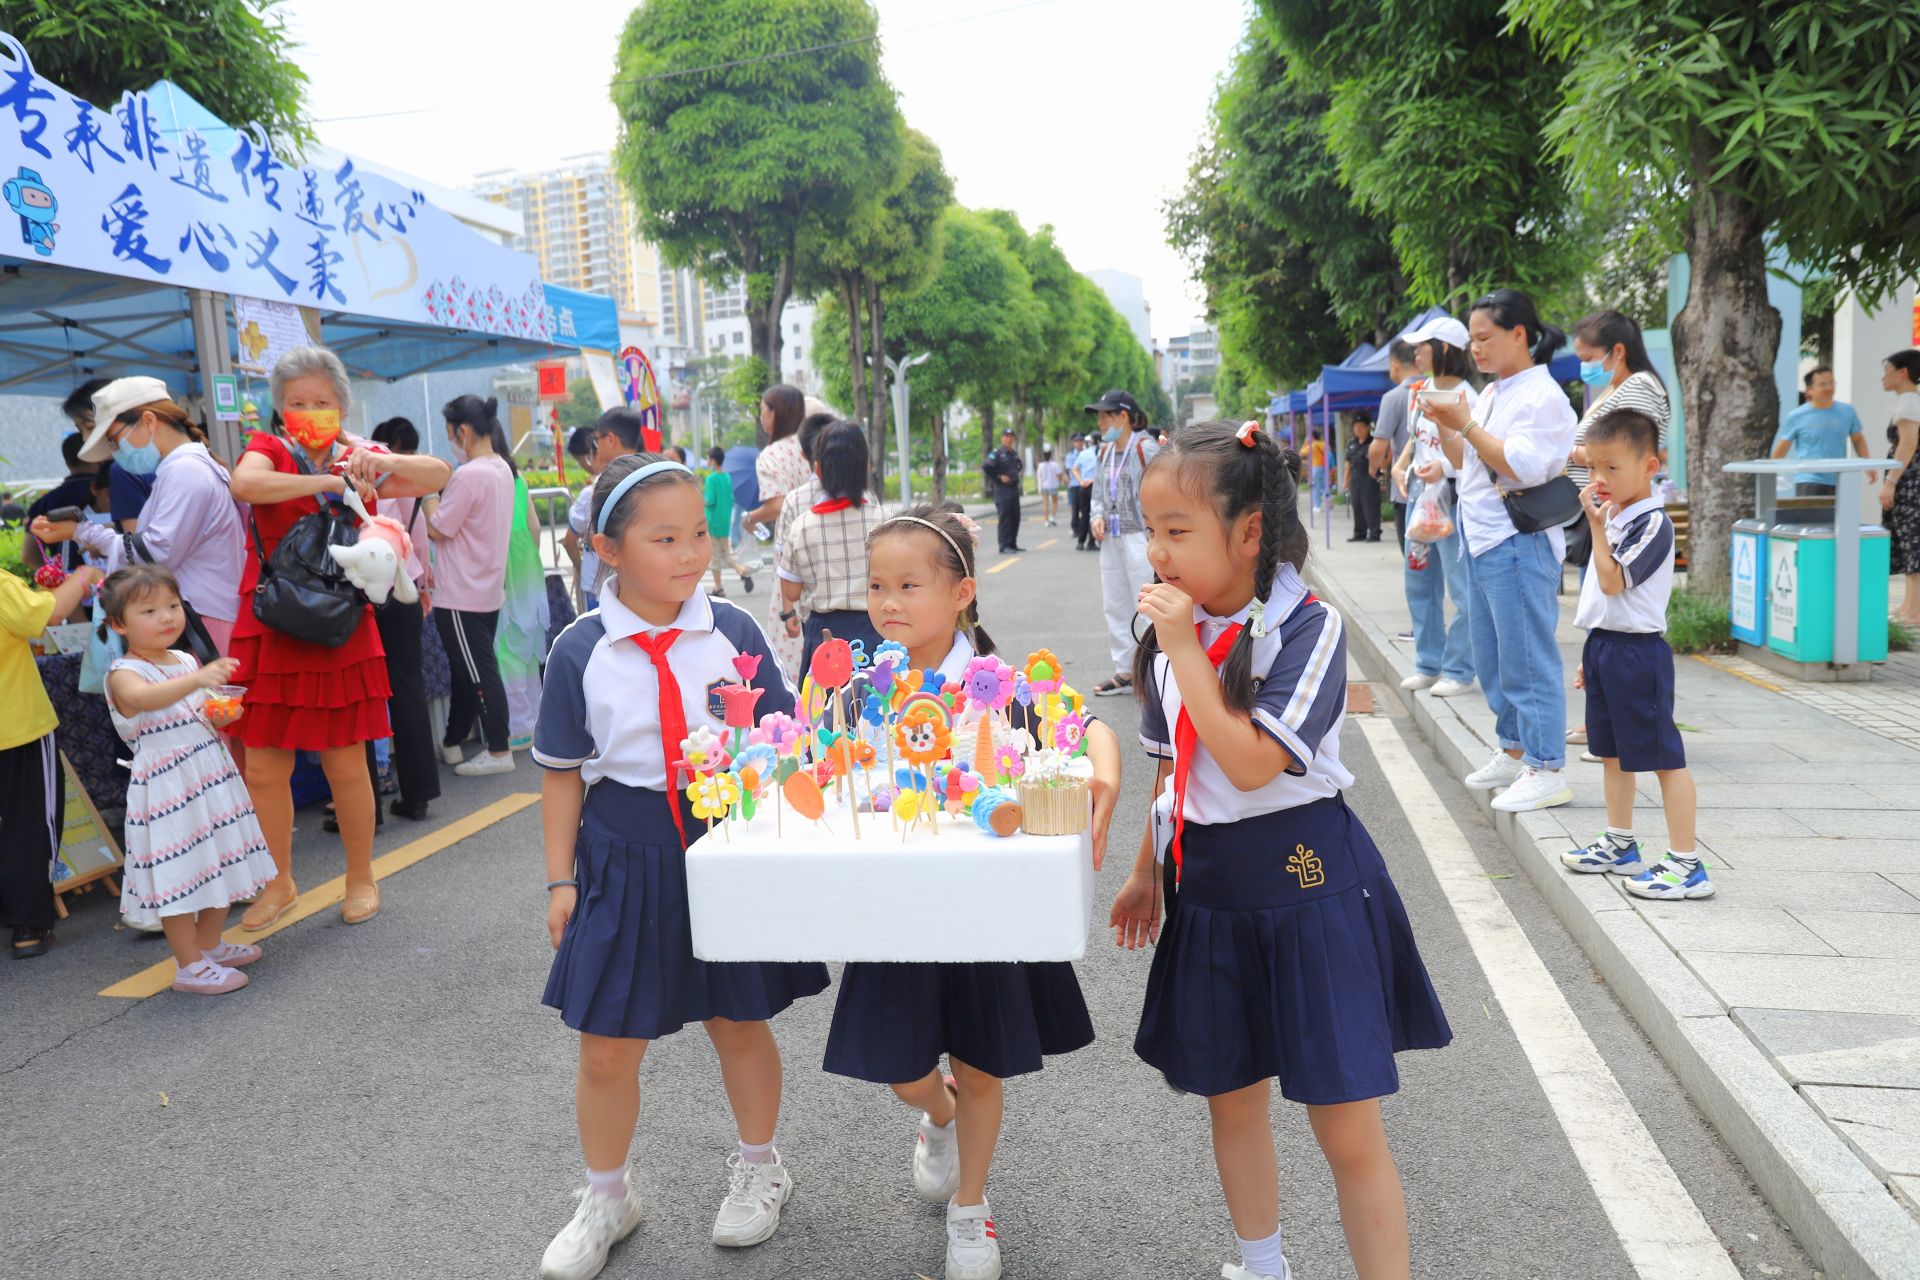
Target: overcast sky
[{"x": 1079, "y": 113}]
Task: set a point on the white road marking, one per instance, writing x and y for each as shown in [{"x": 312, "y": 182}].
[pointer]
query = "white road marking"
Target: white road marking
[{"x": 1659, "y": 1226}]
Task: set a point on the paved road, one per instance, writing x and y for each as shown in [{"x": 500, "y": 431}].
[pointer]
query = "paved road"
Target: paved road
[{"x": 393, "y": 1101}]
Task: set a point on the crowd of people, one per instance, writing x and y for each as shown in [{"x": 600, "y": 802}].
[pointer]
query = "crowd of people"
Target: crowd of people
[{"x": 228, "y": 643}]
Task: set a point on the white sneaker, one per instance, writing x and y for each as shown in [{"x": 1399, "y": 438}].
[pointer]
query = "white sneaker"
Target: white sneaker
[
  {"x": 1447, "y": 688},
  {"x": 973, "y": 1245},
  {"x": 1234, "y": 1271},
  {"x": 1500, "y": 770},
  {"x": 1536, "y": 789},
  {"x": 755, "y": 1192},
  {"x": 580, "y": 1250},
  {"x": 484, "y": 763},
  {"x": 1419, "y": 680},
  {"x": 453, "y": 755},
  {"x": 936, "y": 1161}
]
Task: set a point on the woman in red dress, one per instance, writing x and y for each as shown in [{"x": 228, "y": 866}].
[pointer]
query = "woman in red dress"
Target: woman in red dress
[{"x": 303, "y": 696}]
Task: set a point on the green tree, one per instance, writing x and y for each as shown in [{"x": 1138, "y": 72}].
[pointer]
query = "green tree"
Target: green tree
[
  {"x": 581, "y": 408},
  {"x": 745, "y": 126},
  {"x": 1435, "y": 115},
  {"x": 1290, "y": 267},
  {"x": 234, "y": 56},
  {"x": 1117, "y": 359},
  {"x": 1048, "y": 381},
  {"x": 1787, "y": 119},
  {"x": 887, "y": 250}
]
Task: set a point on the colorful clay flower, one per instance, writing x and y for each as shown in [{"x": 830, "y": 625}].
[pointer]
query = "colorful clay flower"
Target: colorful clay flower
[
  {"x": 1070, "y": 733},
  {"x": 1009, "y": 761},
  {"x": 891, "y": 652},
  {"x": 739, "y": 700},
  {"x": 747, "y": 665},
  {"x": 759, "y": 757},
  {"x": 1022, "y": 691},
  {"x": 924, "y": 733},
  {"x": 782, "y": 731},
  {"x": 882, "y": 799},
  {"x": 1043, "y": 671},
  {"x": 713, "y": 794},
  {"x": 989, "y": 682},
  {"x": 701, "y": 750}
]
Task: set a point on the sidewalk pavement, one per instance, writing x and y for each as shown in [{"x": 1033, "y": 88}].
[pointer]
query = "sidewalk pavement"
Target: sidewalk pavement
[{"x": 1788, "y": 1004}]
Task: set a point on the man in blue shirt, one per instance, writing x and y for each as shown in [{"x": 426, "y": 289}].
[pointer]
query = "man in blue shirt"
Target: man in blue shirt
[
  {"x": 1081, "y": 460},
  {"x": 1819, "y": 428}
]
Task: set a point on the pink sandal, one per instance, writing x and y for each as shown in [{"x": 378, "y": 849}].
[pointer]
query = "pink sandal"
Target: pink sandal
[
  {"x": 233, "y": 954},
  {"x": 206, "y": 978}
]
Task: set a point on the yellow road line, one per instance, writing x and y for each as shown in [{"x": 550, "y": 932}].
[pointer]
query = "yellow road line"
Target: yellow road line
[
  {"x": 1049, "y": 542},
  {"x": 1738, "y": 675},
  {"x": 157, "y": 978},
  {"x": 1008, "y": 563}
]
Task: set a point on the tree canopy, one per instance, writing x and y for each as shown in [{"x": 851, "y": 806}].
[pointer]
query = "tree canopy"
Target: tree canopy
[
  {"x": 734, "y": 150},
  {"x": 234, "y": 56}
]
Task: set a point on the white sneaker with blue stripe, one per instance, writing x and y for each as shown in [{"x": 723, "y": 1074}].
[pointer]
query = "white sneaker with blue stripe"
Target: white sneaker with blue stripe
[
  {"x": 1609, "y": 854},
  {"x": 1669, "y": 879}
]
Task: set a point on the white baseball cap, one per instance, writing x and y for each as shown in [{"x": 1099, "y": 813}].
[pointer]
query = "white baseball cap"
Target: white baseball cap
[
  {"x": 1445, "y": 328},
  {"x": 112, "y": 400}
]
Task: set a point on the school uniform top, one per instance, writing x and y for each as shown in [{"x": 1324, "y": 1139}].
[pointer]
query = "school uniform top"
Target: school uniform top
[
  {"x": 600, "y": 707},
  {"x": 1300, "y": 698},
  {"x": 1530, "y": 414},
  {"x": 1641, "y": 537}
]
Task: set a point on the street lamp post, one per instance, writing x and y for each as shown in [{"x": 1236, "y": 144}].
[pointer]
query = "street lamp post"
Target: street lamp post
[
  {"x": 898, "y": 368},
  {"x": 693, "y": 407}
]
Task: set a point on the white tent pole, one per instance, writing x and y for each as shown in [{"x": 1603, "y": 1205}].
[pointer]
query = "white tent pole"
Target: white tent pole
[{"x": 214, "y": 353}]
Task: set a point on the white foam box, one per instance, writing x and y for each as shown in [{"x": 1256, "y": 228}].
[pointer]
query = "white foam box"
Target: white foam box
[{"x": 814, "y": 892}]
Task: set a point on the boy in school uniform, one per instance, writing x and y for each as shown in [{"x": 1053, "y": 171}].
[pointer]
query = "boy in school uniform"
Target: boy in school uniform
[{"x": 1626, "y": 667}]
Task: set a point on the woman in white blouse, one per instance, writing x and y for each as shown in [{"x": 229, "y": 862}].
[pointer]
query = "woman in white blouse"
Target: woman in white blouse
[{"x": 1522, "y": 431}]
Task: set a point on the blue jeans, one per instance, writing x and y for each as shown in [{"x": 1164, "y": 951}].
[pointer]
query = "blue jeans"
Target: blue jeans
[
  {"x": 1515, "y": 609},
  {"x": 1440, "y": 648}
]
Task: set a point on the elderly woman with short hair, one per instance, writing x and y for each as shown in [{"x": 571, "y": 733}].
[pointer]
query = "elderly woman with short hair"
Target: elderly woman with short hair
[{"x": 304, "y": 696}]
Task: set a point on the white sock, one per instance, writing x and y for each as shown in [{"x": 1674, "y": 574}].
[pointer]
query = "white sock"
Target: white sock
[
  {"x": 1262, "y": 1257},
  {"x": 757, "y": 1153},
  {"x": 611, "y": 1183},
  {"x": 1690, "y": 859},
  {"x": 1620, "y": 837},
  {"x": 940, "y": 1135}
]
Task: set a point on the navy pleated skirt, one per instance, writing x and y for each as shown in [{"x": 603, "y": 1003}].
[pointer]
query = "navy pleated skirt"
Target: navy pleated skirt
[
  {"x": 1287, "y": 954},
  {"x": 626, "y": 966},
  {"x": 893, "y": 1021}
]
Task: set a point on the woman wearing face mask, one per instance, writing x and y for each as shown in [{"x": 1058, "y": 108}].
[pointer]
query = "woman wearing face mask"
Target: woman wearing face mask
[
  {"x": 1619, "y": 375},
  {"x": 303, "y": 696},
  {"x": 188, "y": 523},
  {"x": 471, "y": 525}
]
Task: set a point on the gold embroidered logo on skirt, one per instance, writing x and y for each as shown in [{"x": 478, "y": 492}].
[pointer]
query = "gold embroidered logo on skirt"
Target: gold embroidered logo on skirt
[{"x": 1305, "y": 865}]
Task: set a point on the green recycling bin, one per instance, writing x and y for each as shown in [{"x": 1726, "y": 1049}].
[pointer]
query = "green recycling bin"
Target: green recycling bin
[{"x": 1800, "y": 588}]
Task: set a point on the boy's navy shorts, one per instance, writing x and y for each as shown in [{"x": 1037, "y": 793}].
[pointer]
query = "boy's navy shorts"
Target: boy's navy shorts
[{"x": 1629, "y": 678}]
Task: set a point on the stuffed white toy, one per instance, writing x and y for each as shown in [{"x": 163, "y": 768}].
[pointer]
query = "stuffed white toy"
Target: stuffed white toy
[{"x": 377, "y": 562}]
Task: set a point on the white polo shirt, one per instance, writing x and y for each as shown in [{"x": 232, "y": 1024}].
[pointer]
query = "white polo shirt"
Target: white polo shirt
[
  {"x": 600, "y": 707},
  {"x": 1301, "y": 700},
  {"x": 1532, "y": 416},
  {"x": 1641, "y": 537}
]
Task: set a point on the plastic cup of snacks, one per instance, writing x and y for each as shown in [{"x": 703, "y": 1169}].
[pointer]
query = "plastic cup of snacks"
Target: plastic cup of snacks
[{"x": 223, "y": 704}]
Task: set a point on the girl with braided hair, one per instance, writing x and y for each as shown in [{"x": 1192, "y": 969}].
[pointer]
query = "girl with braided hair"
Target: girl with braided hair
[{"x": 1286, "y": 951}]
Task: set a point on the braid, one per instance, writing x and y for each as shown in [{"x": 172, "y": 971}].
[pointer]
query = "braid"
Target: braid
[{"x": 1236, "y": 673}]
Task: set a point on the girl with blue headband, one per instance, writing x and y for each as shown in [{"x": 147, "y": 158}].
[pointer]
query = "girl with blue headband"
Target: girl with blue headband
[{"x": 624, "y": 686}]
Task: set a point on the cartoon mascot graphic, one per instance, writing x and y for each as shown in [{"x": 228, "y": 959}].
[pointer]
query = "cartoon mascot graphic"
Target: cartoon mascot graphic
[{"x": 34, "y": 201}]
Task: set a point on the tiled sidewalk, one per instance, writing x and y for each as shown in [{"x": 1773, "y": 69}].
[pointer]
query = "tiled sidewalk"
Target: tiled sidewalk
[{"x": 1793, "y": 994}]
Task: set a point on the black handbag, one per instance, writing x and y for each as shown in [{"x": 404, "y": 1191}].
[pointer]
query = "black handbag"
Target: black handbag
[
  {"x": 303, "y": 592},
  {"x": 196, "y": 639},
  {"x": 1545, "y": 506}
]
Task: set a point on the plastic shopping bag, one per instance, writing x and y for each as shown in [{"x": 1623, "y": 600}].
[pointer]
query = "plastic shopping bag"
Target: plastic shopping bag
[{"x": 1431, "y": 518}]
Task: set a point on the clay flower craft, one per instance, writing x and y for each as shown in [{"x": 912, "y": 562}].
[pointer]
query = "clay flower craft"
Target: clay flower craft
[
  {"x": 1022, "y": 691},
  {"x": 1043, "y": 671},
  {"x": 1045, "y": 765},
  {"x": 859, "y": 651},
  {"x": 882, "y": 799},
  {"x": 823, "y": 771},
  {"x": 905, "y": 685},
  {"x": 782, "y": 731},
  {"x": 989, "y": 682},
  {"x": 701, "y": 750},
  {"x": 739, "y": 700},
  {"x": 880, "y": 675},
  {"x": 862, "y": 751},
  {"x": 759, "y": 756},
  {"x": 1070, "y": 733},
  {"x": 747, "y": 665},
  {"x": 892, "y": 652},
  {"x": 1009, "y": 762},
  {"x": 960, "y": 783},
  {"x": 873, "y": 709},
  {"x": 924, "y": 733},
  {"x": 713, "y": 794}
]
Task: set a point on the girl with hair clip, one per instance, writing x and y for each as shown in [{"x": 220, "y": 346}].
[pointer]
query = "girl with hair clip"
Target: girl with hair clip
[
  {"x": 1286, "y": 952},
  {"x": 625, "y": 684},
  {"x": 894, "y": 1021}
]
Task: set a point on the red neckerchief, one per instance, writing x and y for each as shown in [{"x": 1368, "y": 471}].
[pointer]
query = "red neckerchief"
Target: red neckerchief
[
  {"x": 827, "y": 506},
  {"x": 673, "y": 715},
  {"x": 1186, "y": 740}
]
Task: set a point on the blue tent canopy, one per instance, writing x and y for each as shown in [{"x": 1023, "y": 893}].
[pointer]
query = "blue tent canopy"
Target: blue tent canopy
[{"x": 60, "y": 326}]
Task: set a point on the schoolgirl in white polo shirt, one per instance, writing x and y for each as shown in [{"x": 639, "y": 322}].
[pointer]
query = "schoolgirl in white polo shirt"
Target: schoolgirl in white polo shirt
[
  {"x": 624, "y": 684},
  {"x": 1286, "y": 951}
]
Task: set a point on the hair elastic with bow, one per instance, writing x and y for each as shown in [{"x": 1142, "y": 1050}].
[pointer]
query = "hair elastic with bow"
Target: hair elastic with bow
[{"x": 1247, "y": 433}]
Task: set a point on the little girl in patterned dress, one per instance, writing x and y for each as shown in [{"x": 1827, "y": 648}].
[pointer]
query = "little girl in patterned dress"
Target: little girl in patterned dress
[{"x": 193, "y": 845}]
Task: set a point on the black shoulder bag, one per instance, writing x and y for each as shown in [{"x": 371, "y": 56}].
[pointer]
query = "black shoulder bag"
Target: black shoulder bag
[
  {"x": 1543, "y": 507},
  {"x": 303, "y": 592},
  {"x": 196, "y": 639}
]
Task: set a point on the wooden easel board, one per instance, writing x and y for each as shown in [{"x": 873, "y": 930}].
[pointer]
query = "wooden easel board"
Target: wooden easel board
[{"x": 88, "y": 851}]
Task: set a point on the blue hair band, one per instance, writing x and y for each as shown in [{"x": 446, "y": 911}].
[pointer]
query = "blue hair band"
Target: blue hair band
[{"x": 630, "y": 480}]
